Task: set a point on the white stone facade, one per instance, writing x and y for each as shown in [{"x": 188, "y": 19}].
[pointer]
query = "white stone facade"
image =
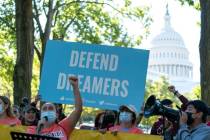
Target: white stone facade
[{"x": 170, "y": 58}]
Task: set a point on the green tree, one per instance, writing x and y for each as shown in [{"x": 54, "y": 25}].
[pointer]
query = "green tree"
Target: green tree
[
  {"x": 7, "y": 44},
  {"x": 195, "y": 94},
  {"x": 98, "y": 22},
  {"x": 204, "y": 46}
]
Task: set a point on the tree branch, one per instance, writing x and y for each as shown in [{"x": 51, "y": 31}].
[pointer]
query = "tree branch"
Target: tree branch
[
  {"x": 37, "y": 52},
  {"x": 36, "y": 16},
  {"x": 91, "y": 2},
  {"x": 44, "y": 8}
]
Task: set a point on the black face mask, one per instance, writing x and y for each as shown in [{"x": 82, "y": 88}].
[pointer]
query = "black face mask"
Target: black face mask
[{"x": 190, "y": 120}]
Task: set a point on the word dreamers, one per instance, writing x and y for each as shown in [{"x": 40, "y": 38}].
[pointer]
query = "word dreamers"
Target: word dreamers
[
  {"x": 95, "y": 85},
  {"x": 95, "y": 61}
]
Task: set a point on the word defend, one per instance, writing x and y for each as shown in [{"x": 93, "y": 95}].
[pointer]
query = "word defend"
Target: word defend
[{"x": 108, "y": 76}]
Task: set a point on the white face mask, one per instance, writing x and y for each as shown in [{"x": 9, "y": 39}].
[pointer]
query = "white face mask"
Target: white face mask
[
  {"x": 50, "y": 116},
  {"x": 125, "y": 117}
]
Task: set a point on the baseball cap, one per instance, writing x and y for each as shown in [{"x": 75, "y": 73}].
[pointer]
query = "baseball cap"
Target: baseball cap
[{"x": 127, "y": 108}]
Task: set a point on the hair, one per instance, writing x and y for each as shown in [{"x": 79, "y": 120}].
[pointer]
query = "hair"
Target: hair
[
  {"x": 108, "y": 120},
  {"x": 200, "y": 106},
  {"x": 7, "y": 102},
  {"x": 97, "y": 118}
]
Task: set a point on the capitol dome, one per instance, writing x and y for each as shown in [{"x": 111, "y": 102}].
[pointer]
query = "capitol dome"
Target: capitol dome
[
  {"x": 168, "y": 35},
  {"x": 168, "y": 55}
]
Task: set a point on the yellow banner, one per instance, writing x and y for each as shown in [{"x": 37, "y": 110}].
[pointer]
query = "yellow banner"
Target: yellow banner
[
  {"x": 5, "y": 131},
  {"x": 82, "y": 134},
  {"x": 96, "y": 135}
]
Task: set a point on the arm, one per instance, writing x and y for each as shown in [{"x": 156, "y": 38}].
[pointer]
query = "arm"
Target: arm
[
  {"x": 183, "y": 133},
  {"x": 183, "y": 99},
  {"x": 154, "y": 129},
  {"x": 71, "y": 120}
]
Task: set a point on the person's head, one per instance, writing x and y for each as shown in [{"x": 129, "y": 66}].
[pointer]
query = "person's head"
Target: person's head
[
  {"x": 167, "y": 102},
  {"x": 105, "y": 119},
  {"x": 29, "y": 115},
  {"x": 5, "y": 107},
  {"x": 198, "y": 111},
  {"x": 48, "y": 113},
  {"x": 127, "y": 114},
  {"x": 16, "y": 111},
  {"x": 25, "y": 101}
]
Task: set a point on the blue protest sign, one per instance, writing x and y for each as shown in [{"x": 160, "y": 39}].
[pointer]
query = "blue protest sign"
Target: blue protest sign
[{"x": 108, "y": 76}]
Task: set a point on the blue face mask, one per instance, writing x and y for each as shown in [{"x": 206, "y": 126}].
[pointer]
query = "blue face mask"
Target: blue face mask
[
  {"x": 50, "y": 116},
  {"x": 1, "y": 108},
  {"x": 125, "y": 117}
]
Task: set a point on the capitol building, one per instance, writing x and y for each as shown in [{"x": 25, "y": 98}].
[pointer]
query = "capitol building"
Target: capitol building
[{"x": 169, "y": 57}]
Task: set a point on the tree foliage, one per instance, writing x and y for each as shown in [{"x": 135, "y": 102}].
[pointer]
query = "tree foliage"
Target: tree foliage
[
  {"x": 98, "y": 22},
  {"x": 204, "y": 45},
  {"x": 89, "y": 21}
]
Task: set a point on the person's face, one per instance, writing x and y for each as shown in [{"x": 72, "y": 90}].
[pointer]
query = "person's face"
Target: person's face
[
  {"x": 16, "y": 112},
  {"x": 30, "y": 116},
  {"x": 48, "y": 110},
  {"x": 195, "y": 115},
  {"x": 125, "y": 117}
]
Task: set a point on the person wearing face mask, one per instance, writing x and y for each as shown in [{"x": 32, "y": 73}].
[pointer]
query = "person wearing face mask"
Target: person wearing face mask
[
  {"x": 6, "y": 115},
  {"x": 48, "y": 124},
  {"x": 193, "y": 122},
  {"x": 127, "y": 121}
]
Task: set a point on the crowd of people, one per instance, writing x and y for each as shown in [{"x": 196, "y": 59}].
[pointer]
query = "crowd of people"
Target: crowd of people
[{"x": 50, "y": 120}]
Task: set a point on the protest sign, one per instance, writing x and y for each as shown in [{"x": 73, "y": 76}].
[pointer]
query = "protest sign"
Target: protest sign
[{"x": 108, "y": 76}]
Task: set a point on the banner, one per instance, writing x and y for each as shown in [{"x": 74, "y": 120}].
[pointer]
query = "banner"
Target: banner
[
  {"x": 5, "y": 131},
  {"x": 108, "y": 76},
  {"x": 96, "y": 135},
  {"x": 82, "y": 134}
]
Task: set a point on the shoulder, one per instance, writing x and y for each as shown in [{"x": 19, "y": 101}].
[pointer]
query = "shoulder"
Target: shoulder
[
  {"x": 31, "y": 129},
  {"x": 13, "y": 121},
  {"x": 137, "y": 130},
  {"x": 114, "y": 128}
]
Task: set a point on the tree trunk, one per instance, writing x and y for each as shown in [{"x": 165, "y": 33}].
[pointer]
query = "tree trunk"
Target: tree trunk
[
  {"x": 24, "y": 42},
  {"x": 48, "y": 27},
  {"x": 204, "y": 48}
]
